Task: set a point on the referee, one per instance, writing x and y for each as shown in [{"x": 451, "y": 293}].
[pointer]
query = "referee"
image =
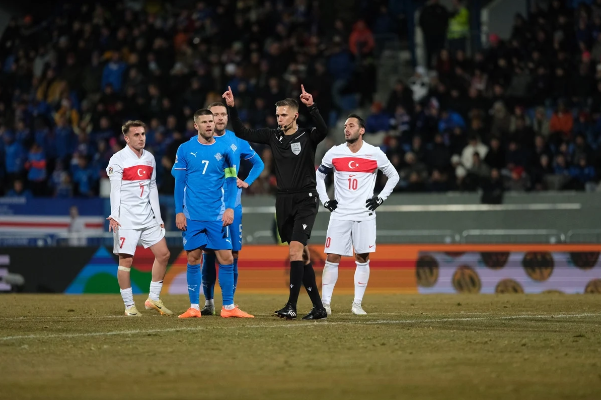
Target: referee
[{"x": 296, "y": 202}]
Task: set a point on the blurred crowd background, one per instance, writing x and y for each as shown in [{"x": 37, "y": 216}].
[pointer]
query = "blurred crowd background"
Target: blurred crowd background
[{"x": 522, "y": 114}]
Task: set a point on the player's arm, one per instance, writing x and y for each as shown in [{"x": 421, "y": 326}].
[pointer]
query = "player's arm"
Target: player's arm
[
  {"x": 179, "y": 172},
  {"x": 247, "y": 153},
  {"x": 115, "y": 174},
  {"x": 320, "y": 131},
  {"x": 391, "y": 173},
  {"x": 322, "y": 173},
  {"x": 252, "y": 135},
  {"x": 154, "y": 196},
  {"x": 231, "y": 188}
]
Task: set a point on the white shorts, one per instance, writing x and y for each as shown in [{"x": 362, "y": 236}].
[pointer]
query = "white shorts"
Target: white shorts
[
  {"x": 126, "y": 240},
  {"x": 343, "y": 236}
]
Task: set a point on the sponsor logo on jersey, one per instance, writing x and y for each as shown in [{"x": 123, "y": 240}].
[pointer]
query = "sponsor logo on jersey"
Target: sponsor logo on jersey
[
  {"x": 194, "y": 154},
  {"x": 296, "y": 148}
]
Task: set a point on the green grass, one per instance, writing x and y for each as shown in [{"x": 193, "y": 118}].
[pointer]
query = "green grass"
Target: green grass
[{"x": 409, "y": 346}]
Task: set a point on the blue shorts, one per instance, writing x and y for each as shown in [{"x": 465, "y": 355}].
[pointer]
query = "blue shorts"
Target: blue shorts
[
  {"x": 236, "y": 229},
  {"x": 206, "y": 235}
]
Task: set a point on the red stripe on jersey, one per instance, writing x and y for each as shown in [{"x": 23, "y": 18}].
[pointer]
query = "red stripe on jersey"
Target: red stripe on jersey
[
  {"x": 137, "y": 173},
  {"x": 354, "y": 164}
]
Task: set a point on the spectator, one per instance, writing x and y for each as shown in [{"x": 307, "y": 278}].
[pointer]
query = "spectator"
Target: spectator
[
  {"x": 84, "y": 177},
  {"x": 474, "y": 146},
  {"x": 36, "y": 164},
  {"x": 378, "y": 120},
  {"x": 113, "y": 72},
  {"x": 401, "y": 95},
  {"x": 361, "y": 41},
  {"x": 495, "y": 157},
  {"x": 19, "y": 190},
  {"x": 561, "y": 123},
  {"x": 459, "y": 27},
  {"x": 433, "y": 20},
  {"x": 492, "y": 188}
]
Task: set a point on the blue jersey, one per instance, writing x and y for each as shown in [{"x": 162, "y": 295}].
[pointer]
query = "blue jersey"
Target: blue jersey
[
  {"x": 242, "y": 151},
  {"x": 203, "y": 170}
]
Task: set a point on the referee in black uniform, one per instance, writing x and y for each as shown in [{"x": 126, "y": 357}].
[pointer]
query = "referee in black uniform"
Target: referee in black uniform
[{"x": 296, "y": 202}]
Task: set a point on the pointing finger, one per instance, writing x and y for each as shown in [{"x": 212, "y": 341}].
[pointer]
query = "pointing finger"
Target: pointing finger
[
  {"x": 229, "y": 89},
  {"x": 303, "y": 88}
]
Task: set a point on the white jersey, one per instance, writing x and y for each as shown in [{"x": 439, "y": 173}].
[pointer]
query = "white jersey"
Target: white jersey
[
  {"x": 132, "y": 181},
  {"x": 354, "y": 179}
]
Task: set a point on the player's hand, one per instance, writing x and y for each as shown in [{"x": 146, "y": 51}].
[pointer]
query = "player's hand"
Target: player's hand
[
  {"x": 241, "y": 183},
  {"x": 305, "y": 97},
  {"x": 374, "y": 203},
  {"x": 180, "y": 221},
  {"x": 229, "y": 97},
  {"x": 331, "y": 205},
  {"x": 228, "y": 217},
  {"x": 113, "y": 224}
]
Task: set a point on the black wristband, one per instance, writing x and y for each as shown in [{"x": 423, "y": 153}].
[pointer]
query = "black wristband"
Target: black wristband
[{"x": 312, "y": 107}]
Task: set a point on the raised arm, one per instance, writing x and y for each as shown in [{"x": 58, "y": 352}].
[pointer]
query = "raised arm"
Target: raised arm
[
  {"x": 320, "y": 131},
  {"x": 251, "y": 135}
]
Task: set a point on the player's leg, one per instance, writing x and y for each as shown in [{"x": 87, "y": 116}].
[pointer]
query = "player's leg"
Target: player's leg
[
  {"x": 236, "y": 230},
  {"x": 284, "y": 207},
  {"x": 220, "y": 240},
  {"x": 124, "y": 244},
  {"x": 306, "y": 211},
  {"x": 209, "y": 277},
  {"x": 154, "y": 238},
  {"x": 195, "y": 239},
  {"x": 194, "y": 279},
  {"x": 364, "y": 241},
  {"x": 338, "y": 243}
]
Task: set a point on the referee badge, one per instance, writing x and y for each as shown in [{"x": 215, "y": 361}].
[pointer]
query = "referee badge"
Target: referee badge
[{"x": 296, "y": 148}]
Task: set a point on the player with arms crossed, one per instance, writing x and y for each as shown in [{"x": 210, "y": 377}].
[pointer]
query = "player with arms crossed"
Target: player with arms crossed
[
  {"x": 205, "y": 195},
  {"x": 243, "y": 151},
  {"x": 353, "y": 219},
  {"x": 296, "y": 204},
  {"x": 136, "y": 216}
]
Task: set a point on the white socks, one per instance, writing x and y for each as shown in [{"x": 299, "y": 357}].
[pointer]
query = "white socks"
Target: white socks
[
  {"x": 361, "y": 278},
  {"x": 328, "y": 281},
  {"x": 210, "y": 303},
  {"x": 128, "y": 297},
  {"x": 195, "y": 306},
  {"x": 230, "y": 306},
  {"x": 155, "y": 290}
]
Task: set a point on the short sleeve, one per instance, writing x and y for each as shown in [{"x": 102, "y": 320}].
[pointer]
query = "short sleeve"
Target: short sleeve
[{"x": 114, "y": 170}]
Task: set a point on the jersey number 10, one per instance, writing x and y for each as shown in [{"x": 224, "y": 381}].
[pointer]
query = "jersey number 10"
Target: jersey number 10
[{"x": 352, "y": 184}]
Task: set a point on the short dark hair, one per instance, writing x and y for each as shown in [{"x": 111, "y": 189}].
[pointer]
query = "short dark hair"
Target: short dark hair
[
  {"x": 216, "y": 104},
  {"x": 202, "y": 111},
  {"x": 135, "y": 123},
  {"x": 358, "y": 118},
  {"x": 292, "y": 103}
]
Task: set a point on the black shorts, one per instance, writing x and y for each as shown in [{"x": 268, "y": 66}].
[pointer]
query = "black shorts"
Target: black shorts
[{"x": 295, "y": 214}]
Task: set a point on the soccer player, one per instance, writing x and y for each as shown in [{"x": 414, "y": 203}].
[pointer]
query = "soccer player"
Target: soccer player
[
  {"x": 296, "y": 204},
  {"x": 242, "y": 151},
  {"x": 353, "y": 219},
  {"x": 136, "y": 216},
  {"x": 205, "y": 195}
]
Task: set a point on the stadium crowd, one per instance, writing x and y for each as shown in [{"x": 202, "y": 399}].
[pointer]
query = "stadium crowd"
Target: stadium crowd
[
  {"x": 69, "y": 80},
  {"x": 524, "y": 114}
]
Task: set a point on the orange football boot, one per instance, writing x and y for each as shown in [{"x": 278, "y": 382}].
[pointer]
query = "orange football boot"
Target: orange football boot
[
  {"x": 190, "y": 313},
  {"x": 234, "y": 313}
]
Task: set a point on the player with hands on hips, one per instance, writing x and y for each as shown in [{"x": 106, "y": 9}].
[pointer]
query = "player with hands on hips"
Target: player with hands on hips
[{"x": 352, "y": 225}]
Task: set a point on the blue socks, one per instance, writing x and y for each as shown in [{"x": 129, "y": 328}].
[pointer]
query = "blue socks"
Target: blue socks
[
  {"x": 193, "y": 276},
  {"x": 235, "y": 274},
  {"x": 226, "y": 281},
  {"x": 209, "y": 275}
]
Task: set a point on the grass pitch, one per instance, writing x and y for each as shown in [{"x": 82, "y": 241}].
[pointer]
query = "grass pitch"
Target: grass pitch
[{"x": 409, "y": 346}]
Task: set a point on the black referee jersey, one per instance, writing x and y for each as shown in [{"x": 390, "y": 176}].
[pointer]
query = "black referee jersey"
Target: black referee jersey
[{"x": 294, "y": 155}]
